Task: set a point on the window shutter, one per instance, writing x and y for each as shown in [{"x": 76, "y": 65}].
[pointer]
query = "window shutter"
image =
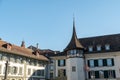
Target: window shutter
[
  {"x": 96, "y": 74},
  {"x": 96, "y": 63},
  {"x": 114, "y": 75},
  {"x": 104, "y": 62},
  {"x": 64, "y": 62},
  {"x": 112, "y": 62},
  {"x": 64, "y": 72},
  {"x": 88, "y": 63},
  {"x": 105, "y": 74},
  {"x": 89, "y": 76},
  {"x": 58, "y": 62}
]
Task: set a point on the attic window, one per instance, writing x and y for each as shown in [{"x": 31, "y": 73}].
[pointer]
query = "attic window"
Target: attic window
[
  {"x": 90, "y": 48},
  {"x": 98, "y": 47},
  {"x": 107, "y": 47}
]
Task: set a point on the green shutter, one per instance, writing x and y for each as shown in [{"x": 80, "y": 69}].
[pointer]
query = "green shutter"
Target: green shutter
[
  {"x": 88, "y": 62},
  {"x": 114, "y": 75},
  {"x": 105, "y": 74},
  {"x": 64, "y": 62},
  {"x": 89, "y": 76},
  {"x": 104, "y": 62},
  {"x": 96, "y": 74},
  {"x": 58, "y": 62},
  {"x": 112, "y": 62},
  {"x": 96, "y": 63}
]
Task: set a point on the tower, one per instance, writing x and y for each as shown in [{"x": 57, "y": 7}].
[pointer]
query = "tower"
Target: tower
[
  {"x": 75, "y": 58},
  {"x": 23, "y": 44}
]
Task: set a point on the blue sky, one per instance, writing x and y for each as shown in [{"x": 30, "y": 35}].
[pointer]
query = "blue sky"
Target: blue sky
[{"x": 49, "y": 22}]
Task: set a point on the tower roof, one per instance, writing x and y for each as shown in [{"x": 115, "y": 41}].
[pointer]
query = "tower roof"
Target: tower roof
[{"x": 74, "y": 43}]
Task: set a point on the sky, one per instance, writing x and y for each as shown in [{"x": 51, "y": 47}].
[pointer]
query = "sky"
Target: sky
[{"x": 50, "y": 22}]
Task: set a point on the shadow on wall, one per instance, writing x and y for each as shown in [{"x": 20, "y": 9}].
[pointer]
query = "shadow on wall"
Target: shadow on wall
[{"x": 37, "y": 75}]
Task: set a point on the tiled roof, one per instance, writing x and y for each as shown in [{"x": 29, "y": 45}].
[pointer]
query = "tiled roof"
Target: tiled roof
[
  {"x": 113, "y": 40},
  {"x": 20, "y": 51},
  {"x": 45, "y": 52},
  {"x": 74, "y": 43}
]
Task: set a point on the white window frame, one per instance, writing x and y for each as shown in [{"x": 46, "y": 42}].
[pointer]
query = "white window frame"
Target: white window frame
[
  {"x": 99, "y": 47},
  {"x": 107, "y": 47},
  {"x": 90, "y": 48}
]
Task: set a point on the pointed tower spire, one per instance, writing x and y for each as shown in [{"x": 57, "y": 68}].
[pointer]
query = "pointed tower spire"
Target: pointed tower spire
[
  {"x": 74, "y": 43},
  {"x": 23, "y": 44}
]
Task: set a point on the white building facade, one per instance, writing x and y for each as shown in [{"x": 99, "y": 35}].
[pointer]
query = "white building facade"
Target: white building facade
[
  {"x": 23, "y": 63},
  {"x": 92, "y": 58}
]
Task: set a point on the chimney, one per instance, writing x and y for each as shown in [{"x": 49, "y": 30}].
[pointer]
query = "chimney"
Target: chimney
[
  {"x": 23, "y": 44},
  {"x": 9, "y": 46}
]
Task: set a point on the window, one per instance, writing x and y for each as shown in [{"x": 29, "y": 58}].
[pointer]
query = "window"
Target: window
[
  {"x": 61, "y": 72},
  {"x": 90, "y": 48},
  {"x": 72, "y": 53},
  {"x": 51, "y": 75},
  {"x": 100, "y": 62},
  {"x": 64, "y": 72},
  {"x": 110, "y": 62},
  {"x": 12, "y": 59},
  {"x": 61, "y": 62},
  {"x": 18, "y": 60},
  {"x": 52, "y": 61},
  {"x": 107, "y": 47},
  {"x": 51, "y": 67},
  {"x": 95, "y": 63},
  {"x": 29, "y": 71},
  {"x": 101, "y": 74},
  {"x": 91, "y": 63},
  {"x": 97, "y": 74},
  {"x": 20, "y": 70},
  {"x": 73, "y": 69},
  {"x": 9, "y": 69},
  {"x": 109, "y": 74},
  {"x": 91, "y": 74},
  {"x": 14, "y": 70},
  {"x": 40, "y": 72},
  {"x": 34, "y": 72},
  {"x": 98, "y": 47}
]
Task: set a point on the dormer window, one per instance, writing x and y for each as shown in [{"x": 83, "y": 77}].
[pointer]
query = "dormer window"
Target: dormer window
[
  {"x": 107, "y": 47},
  {"x": 90, "y": 48},
  {"x": 98, "y": 47}
]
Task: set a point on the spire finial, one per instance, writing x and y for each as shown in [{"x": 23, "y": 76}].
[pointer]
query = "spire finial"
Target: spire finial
[
  {"x": 73, "y": 20},
  {"x": 74, "y": 32}
]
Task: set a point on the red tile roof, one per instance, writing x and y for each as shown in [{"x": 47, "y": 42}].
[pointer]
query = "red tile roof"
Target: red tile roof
[{"x": 20, "y": 51}]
